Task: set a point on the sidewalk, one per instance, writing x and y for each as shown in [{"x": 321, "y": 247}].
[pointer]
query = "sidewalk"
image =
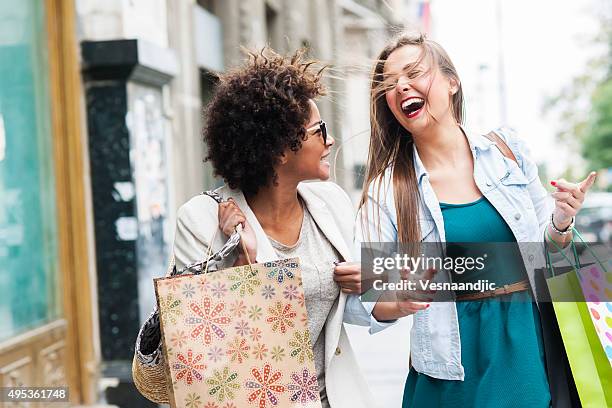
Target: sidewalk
[{"x": 384, "y": 360}]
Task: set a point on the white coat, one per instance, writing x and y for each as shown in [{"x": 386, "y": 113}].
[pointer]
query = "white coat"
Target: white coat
[{"x": 332, "y": 210}]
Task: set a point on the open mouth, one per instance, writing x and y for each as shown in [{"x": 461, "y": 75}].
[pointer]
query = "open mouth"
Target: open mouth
[{"x": 412, "y": 106}]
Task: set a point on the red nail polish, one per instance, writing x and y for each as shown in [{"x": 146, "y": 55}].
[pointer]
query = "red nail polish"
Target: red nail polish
[{"x": 553, "y": 183}]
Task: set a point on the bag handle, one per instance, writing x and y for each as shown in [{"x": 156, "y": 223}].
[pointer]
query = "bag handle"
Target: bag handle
[
  {"x": 233, "y": 241},
  {"x": 238, "y": 231},
  {"x": 560, "y": 250},
  {"x": 587, "y": 246},
  {"x": 548, "y": 261},
  {"x": 501, "y": 145}
]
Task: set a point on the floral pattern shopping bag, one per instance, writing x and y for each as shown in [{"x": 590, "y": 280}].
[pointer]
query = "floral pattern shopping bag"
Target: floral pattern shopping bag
[{"x": 238, "y": 337}]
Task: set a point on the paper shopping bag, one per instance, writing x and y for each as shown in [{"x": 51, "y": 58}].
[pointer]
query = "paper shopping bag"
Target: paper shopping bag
[
  {"x": 238, "y": 338},
  {"x": 596, "y": 283},
  {"x": 590, "y": 368}
]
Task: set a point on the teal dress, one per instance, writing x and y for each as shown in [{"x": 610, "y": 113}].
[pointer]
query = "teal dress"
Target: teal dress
[{"x": 501, "y": 341}]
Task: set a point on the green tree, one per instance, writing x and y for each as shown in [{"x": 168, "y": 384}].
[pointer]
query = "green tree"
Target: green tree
[
  {"x": 597, "y": 145},
  {"x": 583, "y": 108}
]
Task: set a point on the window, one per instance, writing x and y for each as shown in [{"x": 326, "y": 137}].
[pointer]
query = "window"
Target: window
[
  {"x": 28, "y": 233},
  {"x": 359, "y": 175},
  {"x": 209, "y": 5},
  {"x": 208, "y": 83},
  {"x": 273, "y": 28}
]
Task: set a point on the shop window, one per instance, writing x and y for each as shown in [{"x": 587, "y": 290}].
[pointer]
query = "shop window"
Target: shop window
[
  {"x": 359, "y": 174},
  {"x": 28, "y": 232},
  {"x": 209, "y": 5}
]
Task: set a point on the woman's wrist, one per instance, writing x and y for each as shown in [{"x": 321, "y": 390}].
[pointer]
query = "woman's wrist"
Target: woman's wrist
[
  {"x": 561, "y": 224},
  {"x": 242, "y": 259},
  {"x": 389, "y": 311},
  {"x": 252, "y": 254},
  {"x": 385, "y": 311},
  {"x": 560, "y": 239},
  {"x": 560, "y": 229}
]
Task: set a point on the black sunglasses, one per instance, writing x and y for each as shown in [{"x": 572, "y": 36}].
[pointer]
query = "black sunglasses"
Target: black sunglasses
[{"x": 321, "y": 126}]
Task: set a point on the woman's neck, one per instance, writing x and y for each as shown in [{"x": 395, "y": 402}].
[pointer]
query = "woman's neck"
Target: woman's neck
[
  {"x": 441, "y": 145},
  {"x": 276, "y": 204}
]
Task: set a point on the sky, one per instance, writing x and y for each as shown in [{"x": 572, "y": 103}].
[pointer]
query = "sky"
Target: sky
[{"x": 545, "y": 43}]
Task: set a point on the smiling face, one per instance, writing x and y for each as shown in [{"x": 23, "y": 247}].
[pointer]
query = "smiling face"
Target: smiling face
[
  {"x": 310, "y": 162},
  {"x": 417, "y": 93}
]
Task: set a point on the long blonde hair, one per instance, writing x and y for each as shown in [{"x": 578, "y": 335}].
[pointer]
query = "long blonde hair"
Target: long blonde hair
[{"x": 392, "y": 145}]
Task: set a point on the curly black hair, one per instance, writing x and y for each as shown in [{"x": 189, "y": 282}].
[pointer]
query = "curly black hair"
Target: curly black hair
[{"x": 257, "y": 112}]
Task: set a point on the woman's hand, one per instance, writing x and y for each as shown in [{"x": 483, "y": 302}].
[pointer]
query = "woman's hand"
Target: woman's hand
[
  {"x": 406, "y": 302},
  {"x": 411, "y": 301},
  {"x": 408, "y": 307},
  {"x": 348, "y": 276},
  {"x": 569, "y": 198},
  {"x": 229, "y": 217}
]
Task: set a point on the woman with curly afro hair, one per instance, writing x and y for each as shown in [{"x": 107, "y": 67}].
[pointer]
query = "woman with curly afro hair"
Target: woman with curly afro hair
[{"x": 265, "y": 138}]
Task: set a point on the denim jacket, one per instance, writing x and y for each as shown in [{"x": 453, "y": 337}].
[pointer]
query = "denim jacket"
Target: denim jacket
[{"x": 516, "y": 193}]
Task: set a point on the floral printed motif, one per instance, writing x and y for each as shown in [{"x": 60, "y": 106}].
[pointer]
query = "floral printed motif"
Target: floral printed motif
[
  {"x": 188, "y": 290},
  {"x": 192, "y": 400},
  {"x": 242, "y": 328},
  {"x": 216, "y": 276},
  {"x": 218, "y": 289},
  {"x": 301, "y": 300},
  {"x": 223, "y": 384},
  {"x": 255, "y": 334},
  {"x": 268, "y": 292},
  {"x": 179, "y": 338},
  {"x": 238, "y": 308},
  {"x": 245, "y": 281},
  {"x": 208, "y": 319},
  {"x": 281, "y": 268},
  {"x": 204, "y": 283},
  {"x": 278, "y": 353},
  {"x": 304, "y": 387},
  {"x": 260, "y": 351},
  {"x": 173, "y": 284},
  {"x": 290, "y": 292},
  {"x": 238, "y": 350},
  {"x": 265, "y": 386},
  {"x": 281, "y": 317},
  {"x": 215, "y": 354},
  {"x": 188, "y": 367},
  {"x": 170, "y": 309},
  {"x": 255, "y": 313},
  {"x": 300, "y": 346}
]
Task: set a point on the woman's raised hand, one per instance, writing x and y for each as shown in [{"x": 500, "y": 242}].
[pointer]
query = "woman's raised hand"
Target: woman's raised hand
[
  {"x": 569, "y": 198},
  {"x": 230, "y": 216}
]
